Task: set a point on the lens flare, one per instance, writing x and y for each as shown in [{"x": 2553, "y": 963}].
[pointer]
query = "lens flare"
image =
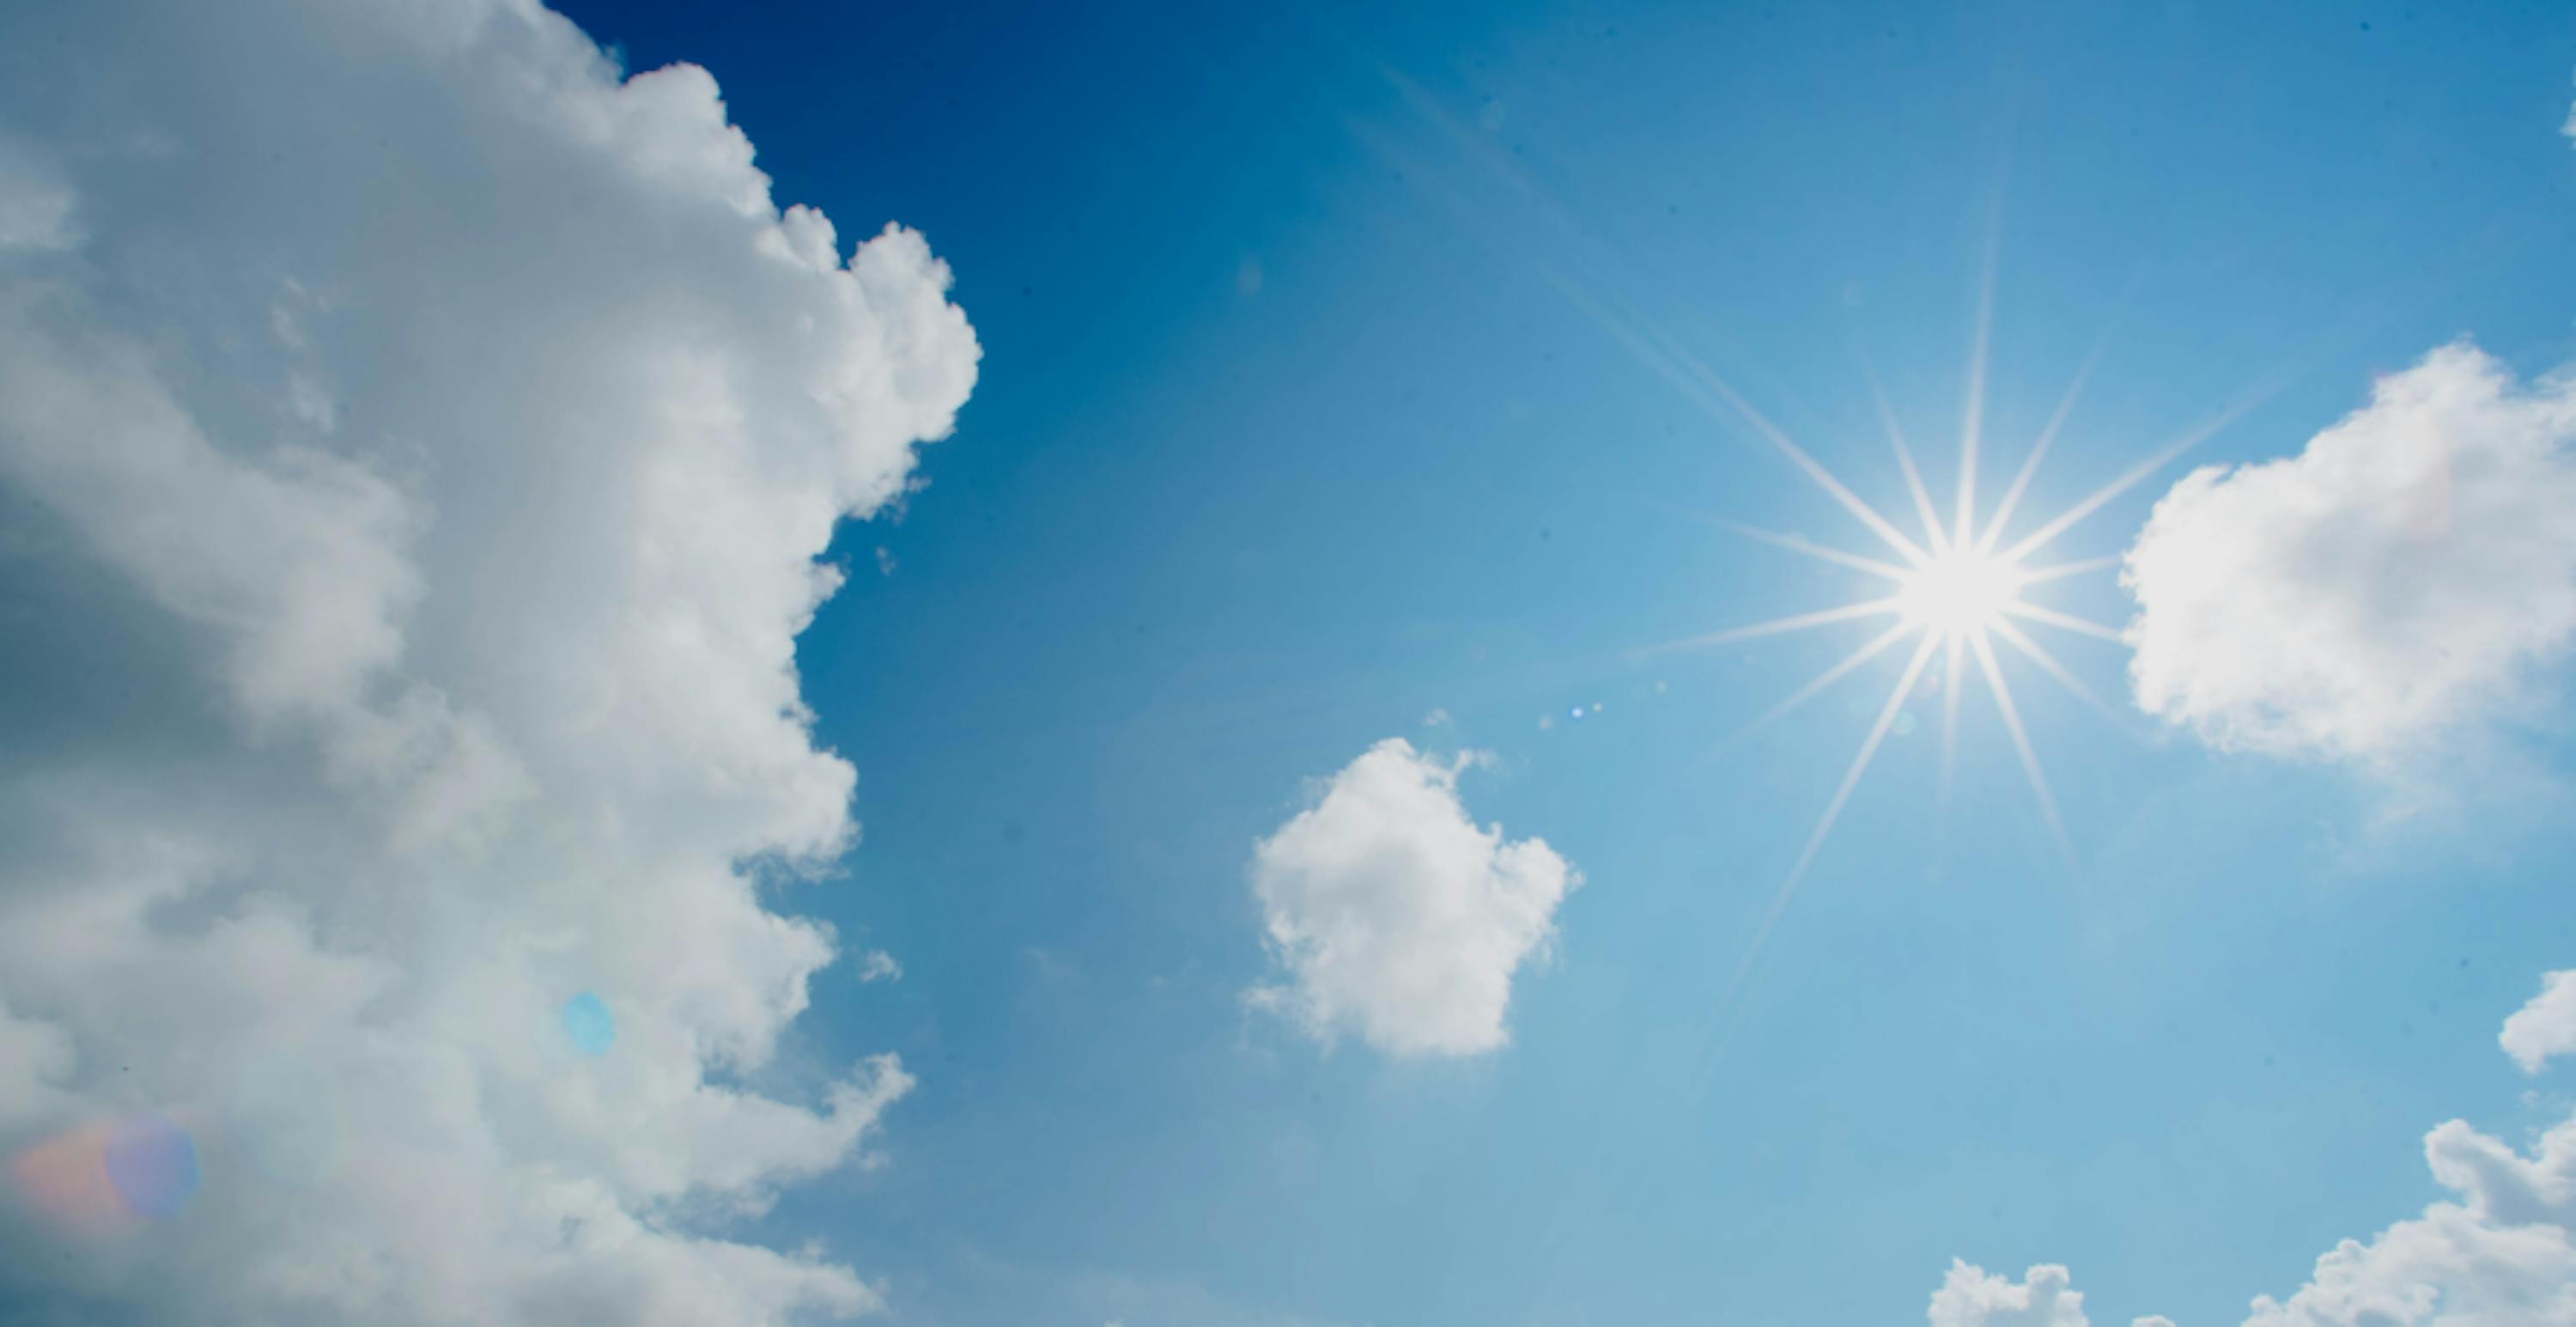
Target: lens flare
[
  {"x": 103, "y": 1177},
  {"x": 64, "y": 1178},
  {"x": 588, "y": 1022},
  {"x": 152, "y": 1163}
]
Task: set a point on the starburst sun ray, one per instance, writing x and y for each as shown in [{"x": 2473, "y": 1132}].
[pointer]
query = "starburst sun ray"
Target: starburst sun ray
[
  {"x": 1797, "y": 543},
  {"x": 2079, "y": 567},
  {"x": 2033, "y": 651},
  {"x": 1781, "y": 625},
  {"x": 1874, "y": 647},
  {"x": 1973, "y": 422},
  {"x": 1825, "y": 824},
  {"x": 2021, "y": 744},
  {"x": 2064, "y": 621},
  {"x": 1905, "y": 462},
  {"x": 1955, "y": 598}
]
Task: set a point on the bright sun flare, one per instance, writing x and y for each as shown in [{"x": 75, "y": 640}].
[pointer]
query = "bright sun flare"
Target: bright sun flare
[
  {"x": 1961, "y": 591},
  {"x": 1953, "y": 591}
]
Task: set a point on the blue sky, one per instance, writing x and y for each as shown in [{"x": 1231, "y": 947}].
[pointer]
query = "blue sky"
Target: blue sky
[
  {"x": 1191, "y": 547},
  {"x": 1311, "y": 404}
]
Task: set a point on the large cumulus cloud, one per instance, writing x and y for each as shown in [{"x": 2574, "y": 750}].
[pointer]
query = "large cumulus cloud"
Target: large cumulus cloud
[
  {"x": 2399, "y": 583},
  {"x": 1395, "y": 916},
  {"x": 416, "y": 440}
]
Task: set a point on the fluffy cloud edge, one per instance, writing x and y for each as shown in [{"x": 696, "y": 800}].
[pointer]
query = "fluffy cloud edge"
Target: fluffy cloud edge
[
  {"x": 1971, "y": 1296},
  {"x": 1393, "y": 916},
  {"x": 2545, "y": 1027},
  {"x": 393, "y": 944},
  {"x": 2397, "y": 583}
]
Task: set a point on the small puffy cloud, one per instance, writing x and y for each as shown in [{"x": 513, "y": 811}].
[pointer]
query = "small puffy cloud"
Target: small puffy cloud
[
  {"x": 1394, "y": 916},
  {"x": 418, "y": 439},
  {"x": 878, "y": 965},
  {"x": 2546, "y": 1026},
  {"x": 1970, "y": 1296},
  {"x": 2402, "y": 580}
]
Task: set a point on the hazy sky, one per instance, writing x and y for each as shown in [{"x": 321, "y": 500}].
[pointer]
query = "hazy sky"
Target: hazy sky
[{"x": 1159, "y": 723}]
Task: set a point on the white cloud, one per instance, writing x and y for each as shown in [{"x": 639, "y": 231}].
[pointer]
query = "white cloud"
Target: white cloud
[
  {"x": 878, "y": 965},
  {"x": 417, "y": 441},
  {"x": 1395, "y": 916},
  {"x": 2544, "y": 1027},
  {"x": 1970, "y": 1296},
  {"x": 2501, "y": 1253},
  {"x": 2397, "y": 583},
  {"x": 2502, "y": 1256}
]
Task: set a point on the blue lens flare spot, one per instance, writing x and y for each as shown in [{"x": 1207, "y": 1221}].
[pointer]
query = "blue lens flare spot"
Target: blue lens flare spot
[
  {"x": 587, "y": 1020},
  {"x": 153, "y": 1164}
]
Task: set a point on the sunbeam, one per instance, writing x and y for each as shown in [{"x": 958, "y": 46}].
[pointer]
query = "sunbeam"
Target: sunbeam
[
  {"x": 1860, "y": 765},
  {"x": 2038, "y": 452},
  {"x": 1778, "y": 625},
  {"x": 1875, "y": 647},
  {"x": 1949, "y": 719},
  {"x": 1786, "y": 446},
  {"x": 2021, "y": 743},
  {"x": 1801, "y": 544},
  {"x": 2065, "y": 621},
  {"x": 1913, "y": 474},
  {"x": 1825, "y": 824},
  {"x": 2049, "y": 431},
  {"x": 2032, "y": 650},
  {"x": 1973, "y": 422},
  {"x": 2079, "y": 567},
  {"x": 2130, "y": 478}
]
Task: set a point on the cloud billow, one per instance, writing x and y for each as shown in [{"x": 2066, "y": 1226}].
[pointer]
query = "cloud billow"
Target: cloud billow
[
  {"x": 2398, "y": 585},
  {"x": 418, "y": 439},
  {"x": 1970, "y": 1296},
  {"x": 1395, "y": 916}
]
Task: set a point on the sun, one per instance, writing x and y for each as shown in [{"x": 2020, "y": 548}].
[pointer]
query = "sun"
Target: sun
[
  {"x": 1953, "y": 590},
  {"x": 1960, "y": 592}
]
